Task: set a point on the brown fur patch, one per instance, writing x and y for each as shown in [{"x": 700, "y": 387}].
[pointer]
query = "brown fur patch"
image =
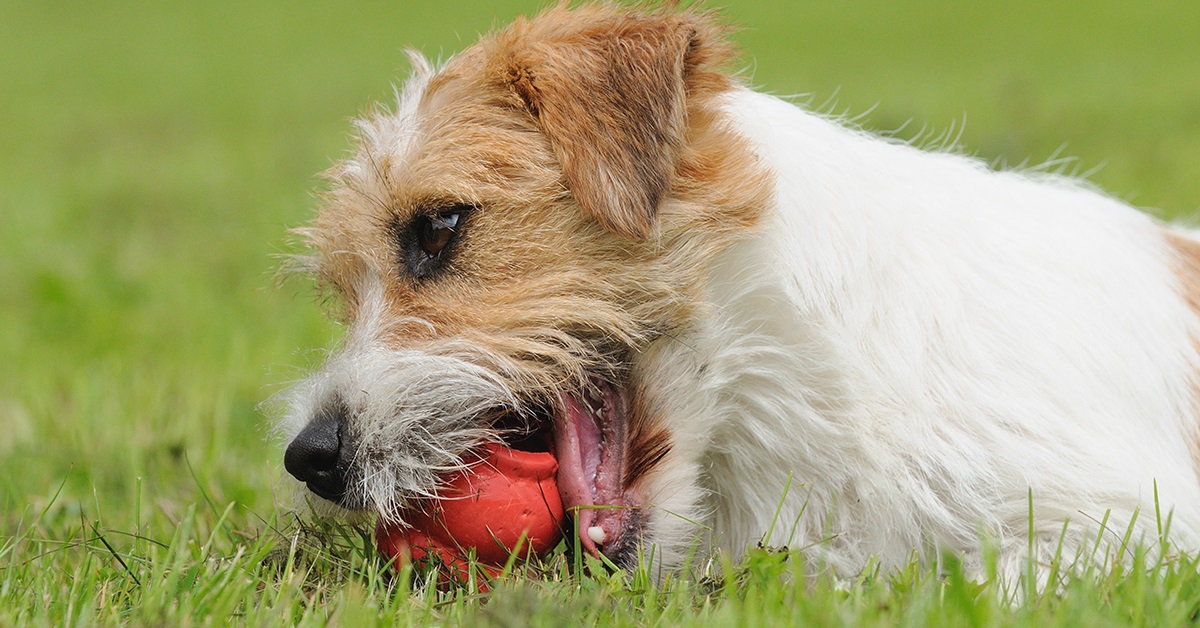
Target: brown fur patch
[
  {"x": 649, "y": 442},
  {"x": 609, "y": 88},
  {"x": 646, "y": 450},
  {"x": 1187, "y": 268},
  {"x": 545, "y": 283},
  {"x": 1187, "y": 272}
]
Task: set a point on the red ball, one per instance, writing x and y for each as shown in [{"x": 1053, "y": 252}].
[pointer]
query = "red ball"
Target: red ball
[{"x": 488, "y": 507}]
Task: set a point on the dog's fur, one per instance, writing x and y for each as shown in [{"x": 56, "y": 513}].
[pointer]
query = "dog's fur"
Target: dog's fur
[{"x": 874, "y": 349}]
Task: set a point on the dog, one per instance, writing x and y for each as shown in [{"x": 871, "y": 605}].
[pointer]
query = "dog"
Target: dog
[{"x": 736, "y": 321}]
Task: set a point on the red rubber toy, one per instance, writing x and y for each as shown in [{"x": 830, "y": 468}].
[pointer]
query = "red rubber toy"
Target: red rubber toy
[{"x": 506, "y": 502}]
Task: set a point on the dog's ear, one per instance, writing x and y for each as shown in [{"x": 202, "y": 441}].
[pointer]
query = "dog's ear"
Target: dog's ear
[{"x": 611, "y": 98}]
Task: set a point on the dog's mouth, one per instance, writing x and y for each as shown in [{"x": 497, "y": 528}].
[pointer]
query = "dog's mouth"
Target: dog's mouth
[{"x": 586, "y": 435}]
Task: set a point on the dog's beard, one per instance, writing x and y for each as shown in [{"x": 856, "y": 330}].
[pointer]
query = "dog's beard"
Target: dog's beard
[
  {"x": 410, "y": 418},
  {"x": 413, "y": 418}
]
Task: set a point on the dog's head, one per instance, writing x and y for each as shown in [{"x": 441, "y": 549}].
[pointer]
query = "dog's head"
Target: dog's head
[{"x": 507, "y": 245}]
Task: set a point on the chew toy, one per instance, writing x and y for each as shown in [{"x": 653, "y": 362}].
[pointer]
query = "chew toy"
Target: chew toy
[{"x": 507, "y": 502}]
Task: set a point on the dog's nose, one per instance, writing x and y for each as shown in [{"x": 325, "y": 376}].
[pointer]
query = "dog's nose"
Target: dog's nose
[{"x": 318, "y": 458}]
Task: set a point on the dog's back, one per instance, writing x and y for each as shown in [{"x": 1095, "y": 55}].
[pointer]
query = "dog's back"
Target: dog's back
[{"x": 956, "y": 339}]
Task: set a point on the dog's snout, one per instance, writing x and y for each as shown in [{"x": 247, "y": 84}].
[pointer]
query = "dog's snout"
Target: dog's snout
[{"x": 319, "y": 457}]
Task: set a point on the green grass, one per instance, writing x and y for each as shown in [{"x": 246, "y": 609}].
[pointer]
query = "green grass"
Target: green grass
[{"x": 152, "y": 156}]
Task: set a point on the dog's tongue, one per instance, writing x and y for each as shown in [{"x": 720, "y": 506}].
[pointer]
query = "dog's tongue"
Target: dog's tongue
[
  {"x": 508, "y": 502},
  {"x": 589, "y": 441}
]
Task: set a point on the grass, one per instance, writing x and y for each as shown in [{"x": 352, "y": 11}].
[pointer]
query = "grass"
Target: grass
[{"x": 152, "y": 156}]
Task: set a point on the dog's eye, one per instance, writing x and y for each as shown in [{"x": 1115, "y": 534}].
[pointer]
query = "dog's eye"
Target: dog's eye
[
  {"x": 435, "y": 232},
  {"x": 428, "y": 240}
]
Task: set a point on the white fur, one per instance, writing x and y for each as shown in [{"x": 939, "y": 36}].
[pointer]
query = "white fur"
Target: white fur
[
  {"x": 917, "y": 344},
  {"x": 414, "y": 413}
]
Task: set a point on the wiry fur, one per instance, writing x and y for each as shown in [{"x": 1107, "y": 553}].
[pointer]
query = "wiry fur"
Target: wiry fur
[
  {"x": 873, "y": 349},
  {"x": 415, "y": 412}
]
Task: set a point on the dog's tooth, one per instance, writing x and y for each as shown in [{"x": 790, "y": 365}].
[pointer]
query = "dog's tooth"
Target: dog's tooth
[{"x": 597, "y": 535}]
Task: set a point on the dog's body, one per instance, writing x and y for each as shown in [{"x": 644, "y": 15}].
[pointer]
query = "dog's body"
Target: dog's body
[
  {"x": 728, "y": 315},
  {"x": 923, "y": 343}
]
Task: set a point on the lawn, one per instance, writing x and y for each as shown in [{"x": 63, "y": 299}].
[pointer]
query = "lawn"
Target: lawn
[{"x": 153, "y": 155}]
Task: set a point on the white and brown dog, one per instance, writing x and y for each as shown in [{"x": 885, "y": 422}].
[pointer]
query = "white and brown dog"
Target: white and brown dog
[{"x": 581, "y": 234}]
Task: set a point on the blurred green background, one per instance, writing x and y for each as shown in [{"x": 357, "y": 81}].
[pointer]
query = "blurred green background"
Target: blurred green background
[{"x": 153, "y": 154}]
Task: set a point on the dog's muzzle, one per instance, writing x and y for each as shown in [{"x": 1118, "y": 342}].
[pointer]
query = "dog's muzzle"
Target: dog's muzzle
[{"x": 384, "y": 434}]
